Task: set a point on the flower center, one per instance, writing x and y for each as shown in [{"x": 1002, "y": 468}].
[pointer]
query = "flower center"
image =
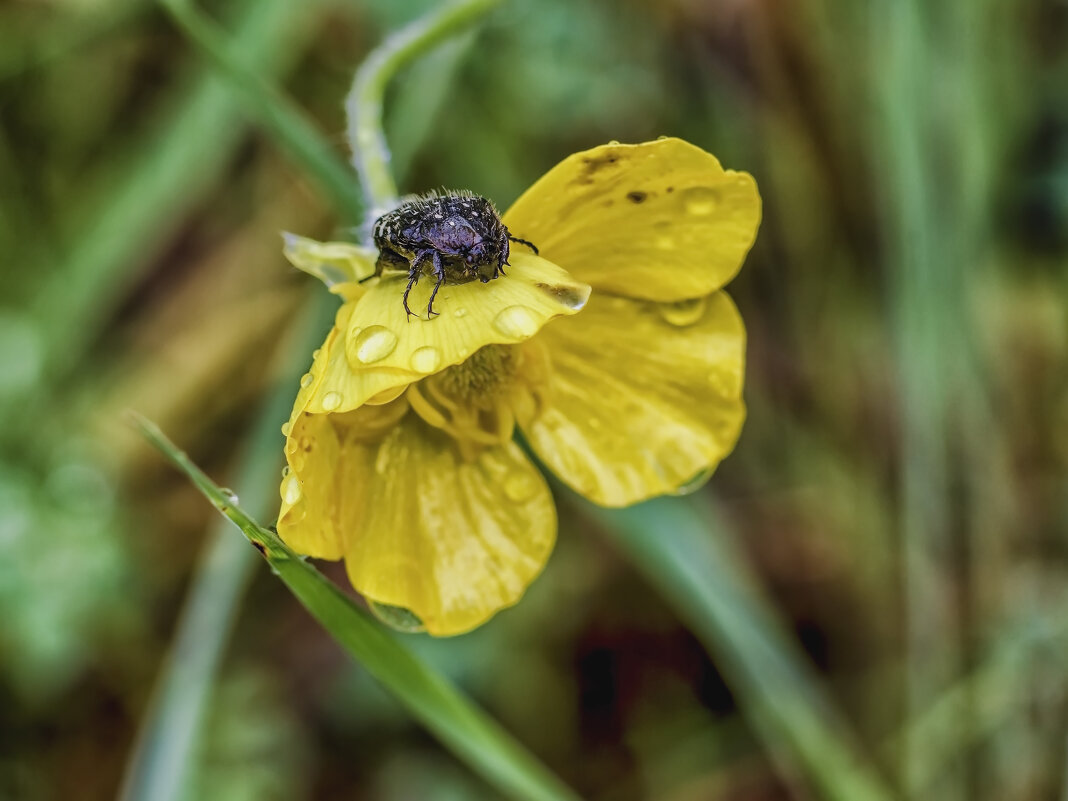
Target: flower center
[
  {"x": 477, "y": 401},
  {"x": 479, "y": 380}
]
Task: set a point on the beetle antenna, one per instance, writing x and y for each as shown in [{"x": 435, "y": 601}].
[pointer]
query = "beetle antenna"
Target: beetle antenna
[{"x": 524, "y": 242}]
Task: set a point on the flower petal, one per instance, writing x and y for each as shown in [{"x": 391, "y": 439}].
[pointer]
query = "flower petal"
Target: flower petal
[
  {"x": 339, "y": 265},
  {"x": 453, "y": 541},
  {"x": 643, "y": 397},
  {"x": 375, "y": 349},
  {"x": 658, "y": 221}
]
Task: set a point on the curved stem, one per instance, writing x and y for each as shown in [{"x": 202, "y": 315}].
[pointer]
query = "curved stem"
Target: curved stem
[{"x": 363, "y": 106}]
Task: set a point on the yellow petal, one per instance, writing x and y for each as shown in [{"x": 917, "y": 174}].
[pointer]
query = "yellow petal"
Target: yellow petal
[
  {"x": 454, "y": 541},
  {"x": 339, "y": 265},
  {"x": 643, "y": 398},
  {"x": 376, "y": 349},
  {"x": 315, "y": 478},
  {"x": 659, "y": 221}
]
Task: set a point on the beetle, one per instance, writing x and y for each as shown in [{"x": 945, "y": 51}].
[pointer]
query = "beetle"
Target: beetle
[{"x": 456, "y": 236}]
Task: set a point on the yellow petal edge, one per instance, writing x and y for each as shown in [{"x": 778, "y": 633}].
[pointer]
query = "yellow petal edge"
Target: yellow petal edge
[
  {"x": 657, "y": 221},
  {"x": 672, "y": 414}
]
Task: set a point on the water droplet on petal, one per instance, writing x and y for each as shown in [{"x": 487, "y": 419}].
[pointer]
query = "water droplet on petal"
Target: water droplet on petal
[
  {"x": 519, "y": 487},
  {"x": 700, "y": 200},
  {"x": 285, "y": 471},
  {"x": 516, "y": 322},
  {"x": 229, "y": 495},
  {"x": 306, "y": 380},
  {"x": 316, "y": 352},
  {"x": 683, "y": 312},
  {"x": 665, "y": 243},
  {"x": 613, "y": 141},
  {"x": 286, "y": 428},
  {"x": 460, "y": 312},
  {"x": 425, "y": 359},
  {"x": 695, "y": 483},
  {"x": 331, "y": 400},
  {"x": 291, "y": 490},
  {"x": 374, "y": 343}
]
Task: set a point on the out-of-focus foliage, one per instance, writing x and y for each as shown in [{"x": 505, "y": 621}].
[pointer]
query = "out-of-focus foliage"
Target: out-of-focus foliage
[{"x": 908, "y": 323}]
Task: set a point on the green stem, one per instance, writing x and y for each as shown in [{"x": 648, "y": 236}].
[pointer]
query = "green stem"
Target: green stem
[
  {"x": 460, "y": 725},
  {"x": 271, "y": 109},
  {"x": 370, "y": 152}
]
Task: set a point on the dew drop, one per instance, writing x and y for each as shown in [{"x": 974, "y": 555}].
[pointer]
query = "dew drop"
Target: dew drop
[
  {"x": 286, "y": 428},
  {"x": 695, "y": 483},
  {"x": 285, "y": 471},
  {"x": 229, "y": 495},
  {"x": 316, "y": 352},
  {"x": 460, "y": 312},
  {"x": 374, "y": 343},
  {"x": 306, "y": 380},
  {"x": 397, "y": 617},
  {"x": 683, "y": 312},
  {"x": 331, "y": 400},
  {"x": 613, "y": 142},
  {"x": 291, "y": 490},
  {"x": 519, "y": 487},
  {"x": 425, "y": 359},
  {"x": 700, "y": 200},
  {"x": 517, "y": 322}
]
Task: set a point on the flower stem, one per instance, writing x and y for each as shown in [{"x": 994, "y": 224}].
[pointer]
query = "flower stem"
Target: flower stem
[{"x": 370, "y": 152}]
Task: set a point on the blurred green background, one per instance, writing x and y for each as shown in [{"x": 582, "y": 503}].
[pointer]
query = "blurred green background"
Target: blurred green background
[{"x": 900, "y": 490}]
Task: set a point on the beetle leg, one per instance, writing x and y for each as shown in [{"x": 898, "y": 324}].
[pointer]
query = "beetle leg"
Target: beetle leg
[
  {"x": 524, "y": 242},
  {"x": 439, "y": 271},
  {"x": 503, "y": 260},
  {"x": 413, "y": 277}
]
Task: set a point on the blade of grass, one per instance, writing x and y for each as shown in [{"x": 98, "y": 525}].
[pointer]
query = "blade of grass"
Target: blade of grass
[
  {"x": 684, "y": 551},
  {"x": 924, "y": 236},
  {"x": 460, "y": 725},
  {"x": 159, "y": 764},
  {"x": 279, "y": 115}
]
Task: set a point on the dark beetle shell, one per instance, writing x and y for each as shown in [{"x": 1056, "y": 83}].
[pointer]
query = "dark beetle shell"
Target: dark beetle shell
[{"x": 455, "y": 236}]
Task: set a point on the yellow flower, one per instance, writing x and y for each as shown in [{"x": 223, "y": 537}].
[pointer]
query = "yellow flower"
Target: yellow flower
[{"x": 400, "y": 448}]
